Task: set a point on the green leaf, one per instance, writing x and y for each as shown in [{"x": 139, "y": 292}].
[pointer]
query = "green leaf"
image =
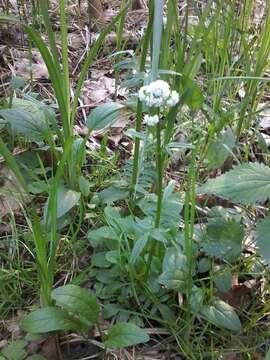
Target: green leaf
[
  {"x": 262, "y": 238},
  {"x": 222, "y": 314},
  {"x": 104, "y": 115},
  {"x": 30, "y": 125},
  {"x": 174, "y": 260},
  {"x": 66, "y": 200},
  {"x": 125, "y": 334},
  {"x": 175, "y": 280},
  {"x": 223, "y": 238},
  {"x": 84, "y": 185},
  {"x": 98, "y": 237},
  {"x": 171, "y": 207},
  {"x": 175, "y": 269},
  {"x": 196, "y": 299},
  {"x": 138, "y": 247},
  {"x": 220, "y": 149},
  {"x": 49, "y": 319},
  {"x": 248, "y": 184},
  {"x": 223, "y": 280},
  {"x": 77, "y": 300},
  {"x": 15, "y": 350},
  {"x": 112, "y": 193}
]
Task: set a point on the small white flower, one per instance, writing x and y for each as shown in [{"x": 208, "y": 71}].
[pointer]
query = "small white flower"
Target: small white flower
[
  {"x": 157, "y": 94},
  {"x": 151, "y": 120},
  {"x": 173, "y": 99}
]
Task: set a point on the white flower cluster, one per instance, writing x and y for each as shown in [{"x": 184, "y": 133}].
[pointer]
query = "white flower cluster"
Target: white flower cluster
[
  {"x": 157, "y": 94},
  {"x": 151, "y": 120}
]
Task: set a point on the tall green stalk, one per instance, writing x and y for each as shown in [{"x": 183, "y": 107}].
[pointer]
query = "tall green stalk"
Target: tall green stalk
[{"x": 139, "y": 113}]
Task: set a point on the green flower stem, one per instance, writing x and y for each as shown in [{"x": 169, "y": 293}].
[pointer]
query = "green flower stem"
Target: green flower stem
[
  {"x": 139, "y": 114},
  {"x": 159, "y": 168},
  {"x": 159, "y": 172}
]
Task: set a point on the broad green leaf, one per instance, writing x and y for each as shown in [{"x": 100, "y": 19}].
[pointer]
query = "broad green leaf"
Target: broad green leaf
[
  {"x": 66, "y": 200},
  {"x": 220, "y": 149},
  {"x": 112, "y": 194},
  {"x": 175, "y": 269},
  {"x": 263, "y": 238},
  {"x": 98, "y": 237},
  {"x": 77, "y": 300},
  {"x": 32, "y": 126},
  {"x": 175, "y": 280},
  {"x": 125, "y": 334},
  {"x": 104, "y": 115},
  {"x": 138, "y": 247},
  {"x": 49, "y": 319},
  {"x": 222, "y": 314},
  {"x": 196, "y": 298},
  {"x": 15, "y": 350},
  {"x": 99, "y": 260},
  {"x": 171, "y": 209},
  {"x": 267, "y": 357},
  {"x": 110, "y": 310},
  {"x": 174, "y": 260},
  {"x": 248, "y": 184},
  {"x": 223, "y": 238},
  {"x": 223, "y": 280}
]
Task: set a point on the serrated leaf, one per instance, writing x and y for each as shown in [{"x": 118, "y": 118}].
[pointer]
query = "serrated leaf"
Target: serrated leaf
[
  {"x": 125, "y": 334},
  {"x": 104, "y": 115},
  {"x": 248, "y": 184},
  {"x": 78, "y": 301},
  {"x": 263, "y": 238},
  {"x": 222, "y": 314},
  {"x": 49, "y": 319},
  {"x": 223, "y": 238}
]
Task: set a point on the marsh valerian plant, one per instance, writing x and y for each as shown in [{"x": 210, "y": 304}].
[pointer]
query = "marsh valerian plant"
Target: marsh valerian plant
[{"x": 162, "y": 254}]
